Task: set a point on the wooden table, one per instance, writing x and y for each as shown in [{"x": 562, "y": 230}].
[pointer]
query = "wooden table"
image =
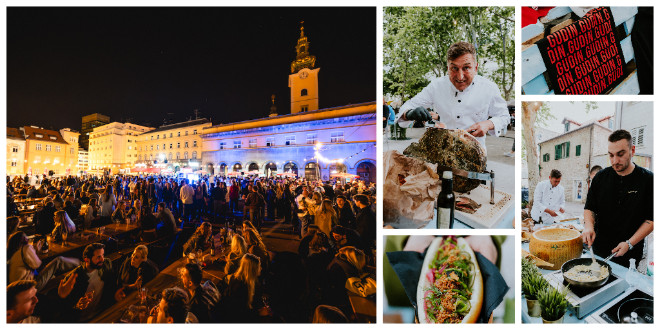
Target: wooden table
[{"x": 167, "y": 278}]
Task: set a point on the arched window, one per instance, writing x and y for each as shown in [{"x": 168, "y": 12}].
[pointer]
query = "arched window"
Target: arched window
[
  {"x": 185, "y": 155},
  {"x": 169, "y": 156},
  {"x": 303, "y": 92},
  {"x": 178, "y": 155},
  {"x": 194, "y": 155}
]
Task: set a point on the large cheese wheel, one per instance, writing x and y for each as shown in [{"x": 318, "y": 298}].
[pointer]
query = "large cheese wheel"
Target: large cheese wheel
[{"x": 556, "y": 245}]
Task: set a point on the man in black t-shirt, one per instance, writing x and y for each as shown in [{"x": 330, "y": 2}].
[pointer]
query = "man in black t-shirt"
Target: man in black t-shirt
[{"x": 618, "y": 214}]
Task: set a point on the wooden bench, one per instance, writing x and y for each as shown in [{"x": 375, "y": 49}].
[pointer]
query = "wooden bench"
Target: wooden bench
[{"x": 534, "y": 73}]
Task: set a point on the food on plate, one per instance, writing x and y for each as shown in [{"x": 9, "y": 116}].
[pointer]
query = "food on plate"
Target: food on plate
[
  {"x": 466, "y": 205},
  {"x": 583, "y": 273},
  {"x": 456, "y": 149},
  {"x": 450, "y": 288}
]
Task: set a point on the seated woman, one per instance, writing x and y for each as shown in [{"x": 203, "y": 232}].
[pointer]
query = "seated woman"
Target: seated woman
[
  {"x": 135, "y": 271},
  {"x": 90, "y": 213},
  {"x": 242, "y": 295},
  {"x": 23, "y": 261},
  {"x": 63, "y": 225},
  {"x": 200, "y": 240},
  {"x": 119, "y": 215},
  {"x": 236, "y": 252},
  {"x": 257, "y": 247}
]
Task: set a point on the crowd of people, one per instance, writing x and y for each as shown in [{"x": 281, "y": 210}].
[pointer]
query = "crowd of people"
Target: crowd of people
[{"x": 334, "y": 225}]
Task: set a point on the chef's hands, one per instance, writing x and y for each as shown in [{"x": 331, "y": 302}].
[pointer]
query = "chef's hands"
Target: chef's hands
[
  {"x": 621, "y": 249},
  {"x": 551, "y": 212},
  {"x": 440, "y": 125},
  {"x": 481, "y": 128},
  {"x": 589, "y": 235},
  {"x": 419, "y": 113},
  {"x": 481, "y": 244}
]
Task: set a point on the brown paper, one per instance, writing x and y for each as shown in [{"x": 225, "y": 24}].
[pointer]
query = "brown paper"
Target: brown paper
[{"x": 414, "y": 200}]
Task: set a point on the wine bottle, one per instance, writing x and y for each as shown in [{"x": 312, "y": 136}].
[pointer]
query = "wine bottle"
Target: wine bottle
[
  {"x": 212, "y": 245},
  {"x": 446, "y": 200}
]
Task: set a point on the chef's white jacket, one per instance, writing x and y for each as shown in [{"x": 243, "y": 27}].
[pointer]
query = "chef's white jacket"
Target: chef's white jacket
[
  {"x": 547, "y": 197},
  {"x": 462, "y": 109}
]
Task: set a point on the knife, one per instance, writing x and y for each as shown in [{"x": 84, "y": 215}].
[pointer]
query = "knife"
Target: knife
[{"x": 485, "y": 176}]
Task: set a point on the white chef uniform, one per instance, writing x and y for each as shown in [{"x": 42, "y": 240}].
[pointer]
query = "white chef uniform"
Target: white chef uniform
[
  {"x": 462, "y": 109},
  {"x": 547, "y": 197}
]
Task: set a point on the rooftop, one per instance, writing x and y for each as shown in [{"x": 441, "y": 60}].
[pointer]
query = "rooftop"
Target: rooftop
[
  {"x": 40, "y": 134},
  {"x": 15, "y": 133},
  {"x": 179, "y": 125}
]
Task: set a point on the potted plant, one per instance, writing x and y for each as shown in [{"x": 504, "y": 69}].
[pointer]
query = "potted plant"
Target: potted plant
[
  {"x": 553, "y": 304},
  {"x": 532, "y": 285}
]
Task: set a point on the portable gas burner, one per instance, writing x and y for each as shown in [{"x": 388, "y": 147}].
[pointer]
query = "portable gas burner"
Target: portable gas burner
[{"x": 586, "y": 300}]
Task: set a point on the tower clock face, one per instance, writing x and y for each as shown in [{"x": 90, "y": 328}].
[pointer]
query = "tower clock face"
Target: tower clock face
[{"x": 302, "y": 74}]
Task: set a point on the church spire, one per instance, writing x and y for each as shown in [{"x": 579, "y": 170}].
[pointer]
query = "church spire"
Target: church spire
[
  {"x": 273, "y": 108},
  {"x": 303, "y": 59}
]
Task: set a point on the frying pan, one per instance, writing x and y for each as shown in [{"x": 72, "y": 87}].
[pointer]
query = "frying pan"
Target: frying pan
[{"x": 584, "y": 284}]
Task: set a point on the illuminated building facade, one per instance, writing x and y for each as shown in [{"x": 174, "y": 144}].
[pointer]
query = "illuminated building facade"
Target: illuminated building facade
[
  {"x": 90, "y": 122},
  {"x": 308, "y": 142},
  {"x": 49, "y": 150},
  {"x": 113, "y": 147},
  {"x": 15, "y": 152},
  {"x": 174, "y": 146}
]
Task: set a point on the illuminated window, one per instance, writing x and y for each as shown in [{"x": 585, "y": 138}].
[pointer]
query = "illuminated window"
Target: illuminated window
[
  {"x": 170, "y": 134},
  {"x": 223, "y": 145},
  {"x": 48, "y": 148},
  {"x": 71, "y": 151},
  {"x": 237, "y": 144},
  {"x": 194, "y": 155},
  {"x": 194, "y": 132},
  {"x": 185, "y": 155},
  {"x": 311, "y": 138},
  {"x": 304, "y": 108},
  {"x": 270, "y": 141},
  {"x": 14, "y": 149},
  {"x": 178, "y": 155},
  {"x": 170, "y": 146},
  {"x": 252, "y": 143},
  {"x": 194, "y": 143},
  {"x": 58, "y": 149},
  {"x": 178, "y": 134},
  {"x": 290, "y": 140},
  {"x": 337, "y": 136},
  {"x": 186, "y": 144}
]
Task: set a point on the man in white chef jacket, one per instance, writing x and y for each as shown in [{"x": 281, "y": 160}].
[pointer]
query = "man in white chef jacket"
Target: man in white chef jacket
[
  {"x": 460, "y": 100},
  {"x": 548, "y": 199}
]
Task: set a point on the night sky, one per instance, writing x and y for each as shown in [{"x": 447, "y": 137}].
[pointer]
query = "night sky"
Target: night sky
[{"x": 147, "y": 65}]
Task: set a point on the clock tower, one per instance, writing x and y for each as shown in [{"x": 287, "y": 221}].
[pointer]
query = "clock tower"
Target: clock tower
[{"x": 303, "y": 80}]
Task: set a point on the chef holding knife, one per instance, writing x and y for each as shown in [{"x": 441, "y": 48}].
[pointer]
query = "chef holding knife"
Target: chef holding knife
[
  {"x": 460, "y": 100},
  {"x": 618, "y": 214}
]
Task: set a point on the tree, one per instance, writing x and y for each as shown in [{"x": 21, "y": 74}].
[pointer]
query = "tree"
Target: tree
[{"x": 416, "y": 40}]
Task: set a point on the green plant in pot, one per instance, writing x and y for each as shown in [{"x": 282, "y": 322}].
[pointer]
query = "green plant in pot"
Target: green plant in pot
[
  {"x": 532, "y": 286},
  {"x": 553, "y": 304}
]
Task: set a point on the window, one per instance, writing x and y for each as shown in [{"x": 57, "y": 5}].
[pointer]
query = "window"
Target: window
[
  {"x": 157, "y": 137},
  {"x": 170, "y": 146},
  {"x": 14, "y": 149},
  {"x": 311, "y": 138},
  {"x": 58, "y": 149},
  {"x": 186, "y": 133},
  {"x": 237, "y": 144},
  {"x": 178, "y": 145},
  {"x": 156, "y": 147},
  {"x": 54, "y": 138},
  {"x": 169, "y": 156},
  {"x": 304, "y": 108},
  {"x": 337, "y": 136},
  {"x": 163, "y": 146},
  {"x": 13, "y": 163},
  {"x": 195, "y": 144},
  {"x": 562, "y": 150},
  {"x": 185, "y": 155},
  {"x": 270, "y": 141},
  {"x": 48, "y": 148},
  {"x": 178, "y": 134},
  {"x": 194, "y": 155},
  {"x": 170, "y": 134},
  {"x": 253, "y": 143},
  {"x": 186, "y": 144},
  {"x": 39, "y": 135},
  {"x": 290, "y": 140},
  {"x": 71, "y": 151},
  {"x": 223, "y": 145},
  {"x": 178, "y": 155},
  {"x": 578, "y": 150},
  {"x": 546, "y": 157},
  {"x": 638, "y": 137},
  {"x": 164, "y": 136},
  {"x": 152, "y": 147},
  {"x": 567, "y": 126},
  {"x": 194, "y": 132},
  {"x": 303, "y": 92}
]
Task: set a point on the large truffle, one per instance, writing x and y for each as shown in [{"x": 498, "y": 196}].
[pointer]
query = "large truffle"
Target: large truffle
[{"x": 451, "y": 148}]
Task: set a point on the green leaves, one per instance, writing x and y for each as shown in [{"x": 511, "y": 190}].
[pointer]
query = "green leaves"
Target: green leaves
[
  {"x": 532, "y": 281},
  {"x": 416, "y": 40},
  {"x": 553, "y": 303}
]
